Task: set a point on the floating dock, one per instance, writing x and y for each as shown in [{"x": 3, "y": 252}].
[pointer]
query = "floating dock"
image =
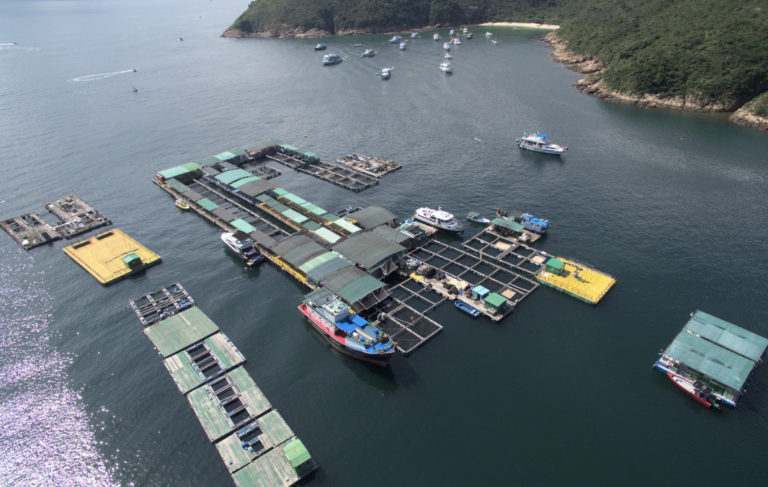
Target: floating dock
[
  {"x": 372, "y": 166},
  {"x": 308, "y": 163},
  {"x": 576, "y": 279},
  {"x": 715, "y": 353},
  {"x": 256, "y": 444},
  {"x": 74, "y": 216},
  {"x": 111, "y": 256}
]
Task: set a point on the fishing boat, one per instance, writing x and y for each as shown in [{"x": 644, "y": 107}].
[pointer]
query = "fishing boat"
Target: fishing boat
[
  {"x": 368, "y": 53},
  {"x": 440, "y": 219},
  {"x": 436, "y": 36},
  {"x": 470, "y": 310},
  {"x": 447, "y": 46},
  {"x": 415, "y": 35},
  {"x": 446, "y": 67},
  {"x": 346, "y": 331},
  {"x": 395, "y": 39},
  {"x": 329, "y": 59},
  {"x": 181, "y": 204},
  {"x": 403, "y": 46},
  {"x": 320, "y": 46},
  {"x": 539, "y": 143},
  {"x": 698, "y": 391},
  {"x": 530, "y": 222},
  {"x": 386, "y": 73},
  {"x": 474, "y": 216},
  {"x": 242, "y": 245}
]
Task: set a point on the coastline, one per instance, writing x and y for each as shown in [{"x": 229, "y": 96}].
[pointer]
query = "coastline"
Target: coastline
[{"x": 529, "y": 25}]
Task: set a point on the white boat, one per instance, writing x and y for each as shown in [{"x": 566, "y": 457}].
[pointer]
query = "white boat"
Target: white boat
[
  {"x": 447, "y": 55},
  {"x": 368, "y": 53},
  {"x": 539, "y": 143},
  {"x": 456, "y": 41},
  {"x": 452, "y": 33},
  {"x": 439, "y": 219},
  {"x": 446, "y": 67},
  {"x": 447, "y": 46},
  {"x": 465, "y": 30},
  {"x": 415, "y": 35},
  {"x": 386, "y": 73},
  {"x": 468, "y": 35},
  {"x": 436, "y": 36},
  {"x": 403, "y": 46},
  {"x": 488, "y": 34},
  {"x": 242, "y": 245},
  {"x": 395, "y": 39},
  {"x": 495, "y": 42},
  {"x": 329, "y": 59}
]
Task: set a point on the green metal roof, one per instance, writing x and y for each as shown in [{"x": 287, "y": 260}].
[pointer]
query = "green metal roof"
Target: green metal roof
[
  {"x": 296, "y": 453},
  {"x": 555, "y": 263},
  {"x": 174, "y": 172},
  {"x": 343, "y": 223},
  {"x": 279, "y": 207},
  {"x": 390, "y": 234},
  {"x": 265, "y": 198},
  {"x": 714, "y": 361},
  {"x": 372, "y": 216},
  {"x": 180, "y": 331},
  {"x": 508, "y": 224},
  {"x": 211, "y": 171},
  {"x": 367, "y": 249},
  {"x": 280, "y": 191},
  {"x": 254, "y": 187},
  {"x": 233, "y": 175},
  {"x": 301, "y": 255},
  {"x": 310, "y": 154},
  {"x": 360, "y": 288},
  {"x": 327, "y": 235},
  {"x": 191, "y": 166},
  {"x": 209, "y": 161},
  {"x": 324, "y": 270},
  {"x": 207, "y": 204},
  {"x": 290, "y": 147},
  {"x": 294, "y": 198},
  {"x": 496, "y": 300},
  {"x": 132, "y": 259},
  {"x": 294, "y": 215},
  {"x": 241, "y": 182},
  {"x": 177, "y": 185},
  {"x": 225, "y": 156},
  {"x": 727, "y": 335},
  {"x": 311, "y": 225},
  {"x": 318, "y": 261},
  {"x": 243, "y": 225},
  {"x": 313, "y": 208}
]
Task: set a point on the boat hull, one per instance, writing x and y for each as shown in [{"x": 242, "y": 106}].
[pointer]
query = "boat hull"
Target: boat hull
[
  {"x": 318, "y": 323},
  {"x": 686, "y": 386},
  {"x": 249, "y": 260}
]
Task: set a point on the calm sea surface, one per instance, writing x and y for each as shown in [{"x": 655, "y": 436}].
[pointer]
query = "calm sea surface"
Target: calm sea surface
[{"x": 672, "y": 204}]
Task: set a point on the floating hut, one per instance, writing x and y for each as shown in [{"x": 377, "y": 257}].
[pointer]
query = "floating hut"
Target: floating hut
[{"x": 716, "y": 353}]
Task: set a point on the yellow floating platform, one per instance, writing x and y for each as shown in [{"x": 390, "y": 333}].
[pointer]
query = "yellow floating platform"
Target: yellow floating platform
[
  {"x": 111, "y": 256},
  {"x": 576, "y": 279}
]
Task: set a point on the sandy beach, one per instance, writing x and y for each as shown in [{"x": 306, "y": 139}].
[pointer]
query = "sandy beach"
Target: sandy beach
[{"x": 531, "y": 25}]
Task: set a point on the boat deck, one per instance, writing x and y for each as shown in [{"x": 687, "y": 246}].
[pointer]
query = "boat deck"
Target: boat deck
[
  {"x": 161, "y": 304},
  {"x": 579, "y": 281},
  {"x": 203, "y": 362},
  {"x": 75, "y": 217},
  {"x": 341, "y": 176},
  {"x": 103, "y": 256}
]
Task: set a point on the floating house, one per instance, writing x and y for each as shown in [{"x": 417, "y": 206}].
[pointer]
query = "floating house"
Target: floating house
[{"x": 715, "y": 353}]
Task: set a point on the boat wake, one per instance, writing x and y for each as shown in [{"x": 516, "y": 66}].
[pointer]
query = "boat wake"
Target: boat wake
[{"x": 98, "y": 76}]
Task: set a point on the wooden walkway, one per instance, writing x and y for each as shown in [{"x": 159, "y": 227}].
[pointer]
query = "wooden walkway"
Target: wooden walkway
[
  {"x": 405, "y": 318},
  {"x": 506, "y": 253}
]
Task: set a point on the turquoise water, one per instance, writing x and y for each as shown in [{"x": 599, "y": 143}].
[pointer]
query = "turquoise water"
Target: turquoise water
[{"x": 671, "y": 204}]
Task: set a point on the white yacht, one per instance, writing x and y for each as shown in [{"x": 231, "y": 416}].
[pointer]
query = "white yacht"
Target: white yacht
[{"x": 439, "y": 219}]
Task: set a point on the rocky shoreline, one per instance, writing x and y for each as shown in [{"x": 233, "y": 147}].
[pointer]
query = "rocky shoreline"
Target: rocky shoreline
[{"x": 595, "y": 86}]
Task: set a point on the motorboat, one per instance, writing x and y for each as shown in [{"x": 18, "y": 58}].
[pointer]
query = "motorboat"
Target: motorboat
[
  {"x": 474, "y": 216},
  {"x": 395, "y": 39},
  {"x": 470, "y": 310},
  {"x": 447, "y": 55},
  {"x": 447, "y": 46},
  {"x": 181, "y": 204},
  {"x": 415, "y": 35},
  {"x": 242, "y": 245},
  {"x": 439, "y": 218},
  {"x": 446, "y": 67},
  {"x": 329, "y": 59},
  {"x": 436, "y": 36},
  {"x": 320, "y": 46},
  {"x": 386, "y": 73},
  {"x": 697, "y": 390},
  {"x": 488, "y": 34},
  {"x": 403, "y": 46},
  {"x": 539, "y": 142},
  {"x": 368, "y": 53}
]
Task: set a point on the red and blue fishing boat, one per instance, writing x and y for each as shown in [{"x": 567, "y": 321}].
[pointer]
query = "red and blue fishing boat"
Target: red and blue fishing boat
[
  {"x": 698, "y": 391},
  {"x": 346, "y": 331}
]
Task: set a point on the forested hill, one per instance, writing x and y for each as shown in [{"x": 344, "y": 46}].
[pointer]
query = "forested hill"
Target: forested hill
[{"x": 709, "y": 52}]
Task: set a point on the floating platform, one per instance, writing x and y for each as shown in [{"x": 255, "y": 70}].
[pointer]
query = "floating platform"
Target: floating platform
[
  {"x": 111, "y": 256},
  {"x": 75, "y": 217},
  {"x": 228, "y": 403},
  {"x": 308, "y": 163},
  {"x": 253, "y": 440},
  {"x": 372, "y": 166},
  {"x": 180, "y": 331},
  {"x": 250, "y": 436},
  {"x": 717, "y": 354},
  {"x": 203, "y": 362},
  {"x": 575, "y": 279}
]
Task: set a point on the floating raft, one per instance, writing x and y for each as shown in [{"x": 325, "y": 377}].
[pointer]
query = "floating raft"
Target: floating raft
[
  {"x": 716, "y": 353},
  {"x": 575, "y": 279},
  {"x": 111, "y": 256},
  {"x": 75, "y": 215},
  {"x": 371, "y": 166},
  {"x": 256, "y": 444}
]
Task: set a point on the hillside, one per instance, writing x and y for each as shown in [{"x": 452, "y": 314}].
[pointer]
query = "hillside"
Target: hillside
[{"x": 687, "y": 54}]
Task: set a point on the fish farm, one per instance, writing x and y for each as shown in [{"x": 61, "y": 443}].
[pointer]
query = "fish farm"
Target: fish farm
[
  {"x": 74, "y": 217},
  {"x": 717, "y": 354},
  {"x": 111, "y": 256},
  {"x": 371, "y": 166},
  {"x": 352, "y": 252},
  {"x": 254, "y": 441}
]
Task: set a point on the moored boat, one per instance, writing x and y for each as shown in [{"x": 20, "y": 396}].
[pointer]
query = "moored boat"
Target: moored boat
[
  {"x": 368, "y": 53},
  {"x": 474, "y": 216},
  {"x": 415, "y": 35},
  {"x": 395, "y": 39},
  {"x": 447, "y": 55},
  {"x": 329, "y": 59},
  {"x": 181, "y": 204},
  {"x": 468, "y": 35},
  {"x": 436, "y": 36},
  {"x": 447, "y": 46},
  {"x": 320, "y": 46},
  {"x": 386, "y": 73},
  {"x": 440, "y": 219},
  {"x": 488, "y": 34},
  {"x": 539, "y": 143},
  {"x": 446, "y": 67},
  {"x": 242, "y": 245},
  {"x": 698, "y": 391},
  {"x": 403, "y": 46},
  {"x": 470, "y": 310},
  {"x": 346, "y": 331}
]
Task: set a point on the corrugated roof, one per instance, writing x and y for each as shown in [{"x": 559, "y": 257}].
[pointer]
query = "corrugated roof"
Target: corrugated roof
[
  {"x": 301, "y": 255},
  {"x": 495, "y": 300},
  {"x": 174, "y": 172},
  {"x": 310, "y": 225},
  {"x": 278, "y": 207},
  {"x": 263, "y": 239},
  {"x": 327, "y": 235},
  {"x": 211, "y": 171},
  {"x": 508, "y": 224},
  {"x": 290, "y": 243},
  {"x": 243, "y": 225},
  {"x": 223, "y": 214},
  {"x": 209, "y": 161},
  {"x": 294, "y": 198},
  {"x": 226, "y": 166},
  {"x": 280, "y": 191},
  {"x": 313, "y": 208},
  {"x": 207, "y": 204},
  {"x": 294, "y": 215},
  {"x": 243, "y": 181},
  {"x": 324, "y": 270},
  {"x": 192, "y": 195},
  {"x": 727, "y": 335},
  {"x": 225, "y": 156},
  {"x": 317, "y": 261},
  {"x": 233, "y": 175},
  {"x": 177, "y": 185},
  {"x": 371, "y": 217},
  {"x": 343, "y": 223},
  {"x": 360, "y": 288},
  {"x": 191, "y": 166},
  {"x": 336, "y": 280},
  {"x": 367, "y": 249},
  {"x": 255, "y": 188},
  {"x": 290, "y": 147},
  {"x": 714, "y": 361},
  {"x": 390, "y": 234}
]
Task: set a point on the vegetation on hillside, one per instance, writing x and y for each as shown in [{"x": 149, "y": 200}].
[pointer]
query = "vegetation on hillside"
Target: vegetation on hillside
[{"x": 710, "y": 51}]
